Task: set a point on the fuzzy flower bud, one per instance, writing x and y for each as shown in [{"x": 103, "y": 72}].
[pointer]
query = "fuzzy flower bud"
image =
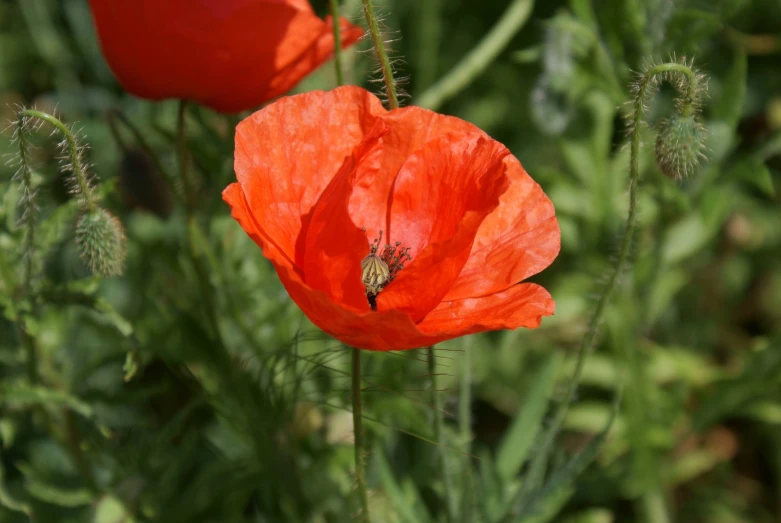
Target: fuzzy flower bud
[
  {"x": 680, "y": 145},
  {"x": 101, "y": 239}
]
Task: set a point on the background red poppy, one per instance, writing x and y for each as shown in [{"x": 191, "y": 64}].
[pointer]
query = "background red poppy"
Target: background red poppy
[
  {"x": 229, "y": 55},
  {"x": 315, "y": 169}
]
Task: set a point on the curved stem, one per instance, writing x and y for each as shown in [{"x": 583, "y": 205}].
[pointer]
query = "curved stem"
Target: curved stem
[
  {"x": 436, "y": 400},
  {"x": 382, "y": 55},
  {"x": 479, "y": 58},
  {"x": 82, "y": 184},
  {"x": 360, "y": 463},
  {"x": 587, "y": 344},
  {"x": 334, "y": 4}
]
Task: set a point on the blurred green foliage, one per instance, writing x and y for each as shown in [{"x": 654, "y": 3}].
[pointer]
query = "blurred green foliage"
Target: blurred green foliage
[{"x": 192, "y": 390}]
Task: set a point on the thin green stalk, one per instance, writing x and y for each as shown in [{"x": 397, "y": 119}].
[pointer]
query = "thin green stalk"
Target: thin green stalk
[
  {"x": 382, "y": 55},
  {"x": 28, "y": 196},
  {"x": 337, "y": 41},
  {"x": 31, "y": 354},
  {"x": 436, "y": 400},
  {"x": 360, "y": 447},
  {"x": 184, "y": 163},
  {"x": 85, "y": 191},
  {"x": 537, "y": 467},
  {"x": 479, "y": 58},
  {"x": 465, "y": 429},
  {"x": 73, "y": 440},
  {"x": 427, "y": 38}
]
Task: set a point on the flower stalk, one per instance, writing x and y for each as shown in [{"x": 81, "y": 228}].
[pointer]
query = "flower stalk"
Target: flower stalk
[
  {"x": 436, "y": 400},
  {"x": 689, "y": 86},
  {"x": 382, "y": 54},
  {"x": 360, "y": 451},
  {"x": 334, "y": 5},
  {"x": 73, "y": 162}
]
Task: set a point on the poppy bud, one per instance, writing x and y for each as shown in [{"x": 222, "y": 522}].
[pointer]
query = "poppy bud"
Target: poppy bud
[
  {"x": 101, "y": 240},
  {"x": 680, "y": 145}
]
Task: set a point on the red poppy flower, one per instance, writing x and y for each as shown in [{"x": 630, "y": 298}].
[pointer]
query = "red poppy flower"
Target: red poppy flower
[
  {"x": 323, "y": 175},
  {"x": 230, "y": 55}
]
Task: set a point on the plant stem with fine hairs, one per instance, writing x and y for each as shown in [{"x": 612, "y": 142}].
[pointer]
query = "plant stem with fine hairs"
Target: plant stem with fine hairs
[
  {"x": 689, "y": 91},
  {"x": 439, "y": 435},
  {"x": 334, "y": 4},
  {"x": 382, "y": 55},
  {"x": 82, "y": 187},
  {"x": 360, "y": 464}
]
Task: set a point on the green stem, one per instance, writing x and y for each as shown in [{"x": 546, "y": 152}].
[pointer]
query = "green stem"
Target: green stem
[
  {"x": 427, "y": 36},
  {"x": 382, "y": 55},
  {"x": 436, "y": 400},
  {"x": 82, "y": 184},
  {"x": 465, "y": 429},
  {"x": 537, "y": 467},
  {"x": 184, "y": 164},
  {"x": 28, "y": 194},
  {"x": 337, "y": 41},
  {"x": 31, "y": 353},
  {"x": 479, "y": 58},
  {"x": 73, "y": 440},
  {"x": 360, "y": 451}
]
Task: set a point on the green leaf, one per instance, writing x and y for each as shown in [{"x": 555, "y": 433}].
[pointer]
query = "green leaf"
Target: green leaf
[
  {"x": 754, "y": 171},
  {"x": 111, "y": 510},
  {"x": 519, "y": 438},
  {"x": 549, "y": 499},
  {"x": 730, "y": 105},
  {"x": 58, "y": 496},
  {"x": 8, "y": 500},
  {"x": 23, "y": 395},
  {"x": 407, "y": 505}
]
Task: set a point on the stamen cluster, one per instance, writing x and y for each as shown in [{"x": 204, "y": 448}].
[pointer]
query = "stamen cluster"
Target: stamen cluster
[{"x": 378, "y": 270}]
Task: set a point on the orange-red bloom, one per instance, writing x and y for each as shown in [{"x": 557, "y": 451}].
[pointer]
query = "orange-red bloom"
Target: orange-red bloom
[
  {"x": 316, "y": 169},
  {"x": 230, "y": 55}
]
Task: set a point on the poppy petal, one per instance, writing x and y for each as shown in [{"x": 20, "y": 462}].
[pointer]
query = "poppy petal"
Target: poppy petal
[
  {"x": 287, "y": 153},
  {"x": 214, "y": 52},
  {"x": 521, "y": 305},
  {"x": 410, "y": 129},
  {"x": 517, "y": 240},
  {"x": 440, "y": 197}
]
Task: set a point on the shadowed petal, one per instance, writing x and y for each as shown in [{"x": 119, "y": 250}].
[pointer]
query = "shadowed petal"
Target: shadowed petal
[
  {"x": 335, "y": 245},
  {"x": 441, "y": 196}
]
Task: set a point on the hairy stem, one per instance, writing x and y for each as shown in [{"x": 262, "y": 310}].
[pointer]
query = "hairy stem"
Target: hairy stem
[
  {"x": 360, "y": 451},
  {"x": 465, "y": 429},
  {"x": 28, "y": 195},
  {"x": 82, "y": 183},
  {"x": 479, "y": 58},
  {"x": 537, "y": 467},
  {"x": 334, "y": 4},
  {"x": 382, "y": 55},
  {"x": 436, "y": 400}
]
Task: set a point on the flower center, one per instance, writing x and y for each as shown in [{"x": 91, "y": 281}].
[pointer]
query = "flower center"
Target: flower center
[{"x": 381, "y": 266}]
